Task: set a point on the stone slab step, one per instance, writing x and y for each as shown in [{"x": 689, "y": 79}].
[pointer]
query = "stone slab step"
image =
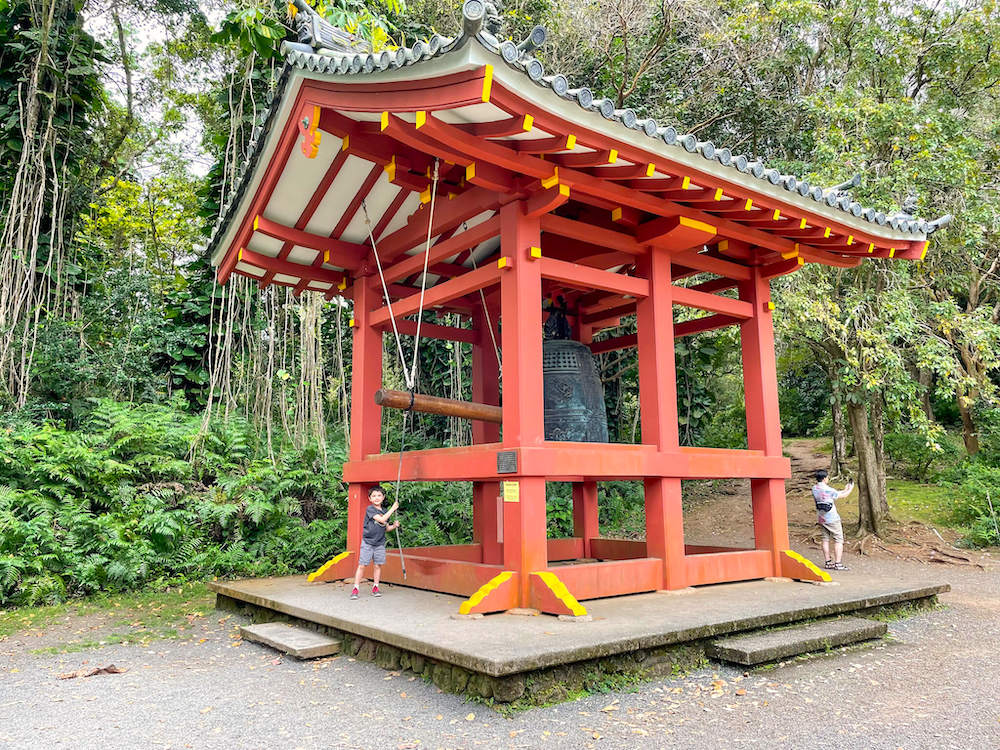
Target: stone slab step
[
  {"x": 302, "y": 643},
  {"x": 771, "y": 645}
]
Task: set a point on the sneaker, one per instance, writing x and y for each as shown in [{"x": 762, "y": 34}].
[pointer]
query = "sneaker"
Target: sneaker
[
  {"x": 830, "y": 565},
  {"x": 838, "y": 566},
  {"x": 375, "y": 591},
  {"x": 354, "y": 593}
]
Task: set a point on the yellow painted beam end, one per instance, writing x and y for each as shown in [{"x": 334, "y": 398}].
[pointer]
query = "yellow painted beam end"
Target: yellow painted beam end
[
  {"x": 487, "y": 82},
  {"x": 701, "y": 226}
]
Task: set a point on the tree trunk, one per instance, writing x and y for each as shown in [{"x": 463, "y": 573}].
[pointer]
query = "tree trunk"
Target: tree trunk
[
  {"x": 838, "y": 461},
  {"x": 873, "y": 509},
  {"x": 969, "y": 433},
  {"x": 877, "y": 424}
]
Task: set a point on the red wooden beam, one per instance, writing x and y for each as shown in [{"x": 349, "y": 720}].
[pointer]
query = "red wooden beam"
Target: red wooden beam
[
  {"x": 614, "y": 312},
  {"x": 307, "y": 213},
  {"x": 714, "y": 285},
  {"x": 438, "y": 294},
  {"x": 586, "y": 159},
  {"x": 708, "y": 264},
  {"x": 350, "y": 211},
  {"x": 781, "y": 268},
  {"x": 711, "y": 302},
  {"x": 585, "y": 277},
  {"x": 700, "y": 325},
  {"x": 610, "y": 345},
  {"x": 499, "y": 128},
  {"x": 578, "y": 230},
  {"x": 444, "y": 249},
  {"x": 489, "y": 151},
  {"x": 344, "y": 254},
  {"x": 390, "y": 213},
  {"x": 432, "y": 331},
  {"x": 290, "y": 269},
  {"x": 546, "y": 201},
  {"x": 447, "y": 215},
  {"x": 552, "y": 145},
  {"x": 675, "y": 233}
]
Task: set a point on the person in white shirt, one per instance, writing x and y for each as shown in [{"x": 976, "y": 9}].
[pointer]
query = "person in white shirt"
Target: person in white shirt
[{"x": 829, "y": 519}]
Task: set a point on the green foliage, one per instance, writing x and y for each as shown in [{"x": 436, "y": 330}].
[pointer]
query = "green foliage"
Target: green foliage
[
  {"x": 977, "y": 507},
  {"x": 119, "y": 504},
  {"x": 916, "y": 456}
]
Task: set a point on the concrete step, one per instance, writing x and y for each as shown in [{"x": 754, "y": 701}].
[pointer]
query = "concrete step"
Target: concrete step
[
  {"x": 302, "y": 643},
  {"x": 772, "y": 645}
]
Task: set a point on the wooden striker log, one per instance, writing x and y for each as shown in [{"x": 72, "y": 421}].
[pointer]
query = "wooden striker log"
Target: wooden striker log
[{"x": 448, "y": 407}]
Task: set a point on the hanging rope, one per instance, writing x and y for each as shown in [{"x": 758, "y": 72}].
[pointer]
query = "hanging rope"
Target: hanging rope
[{"x": 409, "y": 375}]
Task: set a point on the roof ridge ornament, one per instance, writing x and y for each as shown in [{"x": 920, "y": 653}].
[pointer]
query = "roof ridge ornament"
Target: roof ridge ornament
[{"x": 314, "y": 30}]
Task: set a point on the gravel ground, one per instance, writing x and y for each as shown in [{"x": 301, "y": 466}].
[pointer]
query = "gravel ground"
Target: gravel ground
[{"x": 931, "y": 685}]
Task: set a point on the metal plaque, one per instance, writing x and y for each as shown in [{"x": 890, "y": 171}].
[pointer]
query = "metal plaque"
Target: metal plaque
[{"x": 506, "y": 462}]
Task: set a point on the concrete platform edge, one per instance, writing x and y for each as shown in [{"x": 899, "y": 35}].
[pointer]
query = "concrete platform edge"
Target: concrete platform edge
[{"x": 498, "y": 668}]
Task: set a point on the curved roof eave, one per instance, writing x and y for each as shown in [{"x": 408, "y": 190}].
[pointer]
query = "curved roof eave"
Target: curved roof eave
[{"x": 512, "y": 69}]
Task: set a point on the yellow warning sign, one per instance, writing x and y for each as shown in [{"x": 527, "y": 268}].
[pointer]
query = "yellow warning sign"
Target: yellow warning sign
[{"x": 511, "y": 492}]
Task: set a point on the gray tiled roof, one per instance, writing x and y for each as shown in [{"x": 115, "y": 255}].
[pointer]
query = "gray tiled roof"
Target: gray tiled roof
[{"x": 323, "y": 48}]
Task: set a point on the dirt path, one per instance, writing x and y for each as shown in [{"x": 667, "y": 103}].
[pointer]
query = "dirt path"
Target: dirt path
[{"x": 719, "y": 513}]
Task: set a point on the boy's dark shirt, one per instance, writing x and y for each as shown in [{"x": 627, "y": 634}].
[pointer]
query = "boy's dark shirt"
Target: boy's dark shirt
[{"x": 374, "y": 532}]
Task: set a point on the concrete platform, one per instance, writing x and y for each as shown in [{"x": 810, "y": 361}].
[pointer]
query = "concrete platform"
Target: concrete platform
[
  {"x": 300, "y": 642},
  {"x": 772, "y": 645},
  {"x": 421, "y": 622}
]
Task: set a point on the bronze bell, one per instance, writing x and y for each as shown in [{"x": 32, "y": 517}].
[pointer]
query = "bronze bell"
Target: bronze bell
[{"x": 574, "y": 395}]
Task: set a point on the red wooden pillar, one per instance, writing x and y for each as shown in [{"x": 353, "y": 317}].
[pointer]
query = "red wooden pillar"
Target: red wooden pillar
[
  {"x": 524, "y": 537},
  {"x": 760, "y": 382},
  {"x": 486, "y": 390},
  {"x": 658, "y": 399},
  {"x": 585, "y": 514},
  {"x": 366, "y": 415}
]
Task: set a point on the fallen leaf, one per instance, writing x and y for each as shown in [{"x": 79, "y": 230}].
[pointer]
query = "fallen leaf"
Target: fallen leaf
[
  {"x": 741, "y": 691},
  {"x": 470, "y": 717}
]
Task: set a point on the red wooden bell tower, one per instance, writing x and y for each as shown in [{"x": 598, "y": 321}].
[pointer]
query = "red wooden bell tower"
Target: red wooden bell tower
[{"x": 543, "y": 190}]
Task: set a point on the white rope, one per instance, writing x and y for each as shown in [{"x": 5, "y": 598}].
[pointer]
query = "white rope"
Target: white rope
[
  {"x": 409, "y": 376},
  {"x": 388, "y": 301},
  {"x": 423, "y": 277}
]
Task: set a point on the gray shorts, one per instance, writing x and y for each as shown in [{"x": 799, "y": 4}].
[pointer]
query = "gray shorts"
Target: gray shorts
[
  {"x": 369, "y": 553},
  {"x": 833, "y": 531}
]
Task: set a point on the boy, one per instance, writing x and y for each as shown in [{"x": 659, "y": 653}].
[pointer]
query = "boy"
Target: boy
[
  {"x": 829, "y": 518},
  {"x": 373, "y": 538}
]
